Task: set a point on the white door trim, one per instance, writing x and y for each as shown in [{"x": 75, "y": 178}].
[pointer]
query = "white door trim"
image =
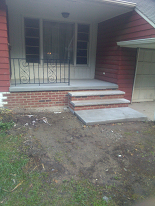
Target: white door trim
[{"x": 138, "y": 52}]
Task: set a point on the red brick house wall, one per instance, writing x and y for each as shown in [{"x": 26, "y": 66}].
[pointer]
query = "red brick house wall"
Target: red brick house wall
[
  {"x": 4, "y": 54},
  {"x": 119, "y": 63}
]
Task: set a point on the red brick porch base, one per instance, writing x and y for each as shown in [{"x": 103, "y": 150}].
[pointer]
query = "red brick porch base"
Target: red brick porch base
[{"x": 37, "y": 99}]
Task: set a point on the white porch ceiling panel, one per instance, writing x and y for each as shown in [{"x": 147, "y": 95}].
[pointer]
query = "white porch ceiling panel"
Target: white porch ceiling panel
[{"x": 80, "y": 10}]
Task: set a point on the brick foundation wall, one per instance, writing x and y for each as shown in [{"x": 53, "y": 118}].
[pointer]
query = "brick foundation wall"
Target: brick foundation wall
[{"x": 37, "y": 99}]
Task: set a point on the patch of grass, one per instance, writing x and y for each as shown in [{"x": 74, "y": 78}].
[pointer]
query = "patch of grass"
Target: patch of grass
[
  {"x": 127, "y": 134},
  {"x": 140, "y": 146},
  {"x": 58, "y": 156},
  {"x": 118, "y": 177},
  {"x": 6, "y": 125},
  {"x": 153, "y": 153},
  {"x": 147, "y": 131},
  {"x": 11, "y": 163},
  {"x": 78, "y": 193}
]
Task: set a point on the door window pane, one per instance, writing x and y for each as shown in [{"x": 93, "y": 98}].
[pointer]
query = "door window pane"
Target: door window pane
[{"x": 58, "y": 40}]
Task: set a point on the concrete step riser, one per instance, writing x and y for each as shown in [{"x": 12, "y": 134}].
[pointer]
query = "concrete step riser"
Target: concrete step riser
[
  {"x": 94, "y": 97},
  {"x": 76, "y": 108}
]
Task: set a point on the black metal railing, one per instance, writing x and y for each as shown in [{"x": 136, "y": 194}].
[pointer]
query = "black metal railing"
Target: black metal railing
[{"x": 44, "y": 71}]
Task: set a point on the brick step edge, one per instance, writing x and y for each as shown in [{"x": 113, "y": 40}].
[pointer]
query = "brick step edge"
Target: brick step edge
[
  {"x": 77, "y": 108},
  {"x": 99, "y": 97}
]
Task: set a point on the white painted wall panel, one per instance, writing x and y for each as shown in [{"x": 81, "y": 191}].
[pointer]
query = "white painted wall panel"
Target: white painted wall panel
[{"x": 16, "y": 28}]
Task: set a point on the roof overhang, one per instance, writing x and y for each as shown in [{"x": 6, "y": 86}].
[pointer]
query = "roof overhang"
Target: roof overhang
[
  {"x": 80, "y": 10},
  {"x": 116, "y": 2},
  {"x": 148, "y": 43}
]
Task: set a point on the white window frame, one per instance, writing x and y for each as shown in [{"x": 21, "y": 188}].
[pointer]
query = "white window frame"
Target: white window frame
[
  {"x": 41, "y": 39},
  {"x": 88, "y": 49}
]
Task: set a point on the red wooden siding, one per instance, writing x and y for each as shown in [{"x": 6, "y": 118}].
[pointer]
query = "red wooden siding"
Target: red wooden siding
[
  {"x": 4, "y": 55},
  {"x": 119, "y": 63}
]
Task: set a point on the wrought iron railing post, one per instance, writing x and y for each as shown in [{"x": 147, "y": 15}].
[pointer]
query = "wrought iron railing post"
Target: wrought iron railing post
[
  {"x": 38, "y": 73},
  {"x": 29, "y": 71},
  {"x": 60, "y": 71},
  {"x": 64, "y": 73},
  {"x": 56, "y": 71},
  {"x": 68, "y": 71},
  {"x": 47, "y": 72},
  {"x": 43, "y": 72},
  {"x": 33, "y": 72},
  {"x": 19, "y": 71},
  {"x": 14, "y": 70}
]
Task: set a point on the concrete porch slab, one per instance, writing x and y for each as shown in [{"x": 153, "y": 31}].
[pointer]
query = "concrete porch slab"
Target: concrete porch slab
[
  {"x": 109, "y": 115},
  {"x": 78, "y": 84}
]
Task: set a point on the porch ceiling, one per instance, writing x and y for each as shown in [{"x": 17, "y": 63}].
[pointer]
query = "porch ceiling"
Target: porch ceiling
[{"x": 80, "y": 10}]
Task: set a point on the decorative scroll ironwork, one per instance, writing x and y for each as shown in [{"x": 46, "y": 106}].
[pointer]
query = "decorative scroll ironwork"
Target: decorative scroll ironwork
[
  {"x": 24, "y": 71},
  {"x": 51, "y": 73},
  {"x": 46, "y": 71}
]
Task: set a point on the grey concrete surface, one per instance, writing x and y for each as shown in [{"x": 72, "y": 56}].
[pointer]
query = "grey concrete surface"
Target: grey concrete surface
[
  {"x": 147, "y": 108},
  {"x": 109, "y": 115},
  {"x": 99, "y": 102},
  {"x": 78, "y": 84},
  {"x": 96, "y": 93}
]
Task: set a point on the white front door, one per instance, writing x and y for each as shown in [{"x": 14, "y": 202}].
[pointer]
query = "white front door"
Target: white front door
[{"x": 144, "y": 87}]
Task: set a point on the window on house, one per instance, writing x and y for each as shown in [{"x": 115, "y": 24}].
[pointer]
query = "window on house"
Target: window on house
[
  {"x": 58, "y": 40},
  {"x": 32, "y": 40},
  {"x": 82, "y": 44}
]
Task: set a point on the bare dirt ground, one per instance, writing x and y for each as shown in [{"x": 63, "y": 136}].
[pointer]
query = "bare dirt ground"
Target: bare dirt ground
[{"x": 121, "y": 156}]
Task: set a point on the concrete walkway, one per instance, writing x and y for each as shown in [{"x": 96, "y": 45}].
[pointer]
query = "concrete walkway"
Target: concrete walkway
[
  {"x": 147, "y": 108},
  {"x": 109, "y": 115}
]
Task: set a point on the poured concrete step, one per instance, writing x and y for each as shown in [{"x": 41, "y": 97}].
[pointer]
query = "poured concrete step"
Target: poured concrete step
[
  {"x": 109, "y": 115},
  {"x": 96, "y": 93}
]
